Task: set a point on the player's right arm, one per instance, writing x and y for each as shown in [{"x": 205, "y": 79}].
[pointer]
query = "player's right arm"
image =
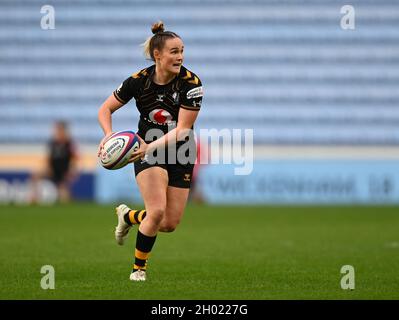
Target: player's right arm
[
  {"x": 105, "y": 117},
  {"x": 126, "y": 91},
  {"x": 106, "y": 110}
]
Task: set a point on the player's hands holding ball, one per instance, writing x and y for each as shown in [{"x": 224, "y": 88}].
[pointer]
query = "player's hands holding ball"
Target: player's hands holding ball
[
  {"x": 101, "y": 145},
  {"x": 117, "y": 149},
  {"x": 140, "y": 153}
]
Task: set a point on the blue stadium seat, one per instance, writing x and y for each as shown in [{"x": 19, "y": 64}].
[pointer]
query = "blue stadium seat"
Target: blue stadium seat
[{"x": 284, "y": 68}]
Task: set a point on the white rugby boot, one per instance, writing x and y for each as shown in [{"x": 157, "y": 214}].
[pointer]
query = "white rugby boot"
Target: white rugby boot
[
  {"x": 122, "y": 229},
  {"x": 138, "y": 275}
]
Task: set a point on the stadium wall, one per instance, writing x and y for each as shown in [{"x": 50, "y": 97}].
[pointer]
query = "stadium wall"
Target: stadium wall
[{"x": 280, "y": 175}]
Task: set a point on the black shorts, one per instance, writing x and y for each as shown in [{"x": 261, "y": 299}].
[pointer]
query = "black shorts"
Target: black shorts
[
  {"x": 179, "y": 175},
  {"x": 58, "y": 176}
]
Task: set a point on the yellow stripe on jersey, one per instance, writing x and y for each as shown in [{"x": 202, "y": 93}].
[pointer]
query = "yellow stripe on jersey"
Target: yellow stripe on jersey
[
  {"x": 194, "y": 81},
  {"x": 140, "y": 73},
  {"x": 188, "y": 75}
]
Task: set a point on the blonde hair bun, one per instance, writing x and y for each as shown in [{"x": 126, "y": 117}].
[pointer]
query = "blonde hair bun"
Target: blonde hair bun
[{"x": 158, "y": 27}]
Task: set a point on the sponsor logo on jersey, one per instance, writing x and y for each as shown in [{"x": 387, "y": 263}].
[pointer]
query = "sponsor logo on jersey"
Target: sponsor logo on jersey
[
  {"x": 160, "y": 116},
  {"x": 195, "y": 93},
  {"x": 197, "y": 104},
  {"x": 160, "y": 97},
  {"x": 175, "y": 97},
  {"x": 119, "y": 88}
]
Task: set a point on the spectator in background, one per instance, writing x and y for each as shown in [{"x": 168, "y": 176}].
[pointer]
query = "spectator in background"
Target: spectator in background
[{"x": 60, "y": 163}]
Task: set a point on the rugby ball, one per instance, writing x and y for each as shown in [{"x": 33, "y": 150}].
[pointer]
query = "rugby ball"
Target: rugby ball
[{"x": 118, "y": 149}]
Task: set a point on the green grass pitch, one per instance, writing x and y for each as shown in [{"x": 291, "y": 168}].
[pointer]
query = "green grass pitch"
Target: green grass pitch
[{"x": 233, "y": 252}]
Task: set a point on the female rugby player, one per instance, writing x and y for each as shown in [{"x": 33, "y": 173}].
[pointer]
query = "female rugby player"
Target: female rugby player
[{"x": 168, "y": 98}]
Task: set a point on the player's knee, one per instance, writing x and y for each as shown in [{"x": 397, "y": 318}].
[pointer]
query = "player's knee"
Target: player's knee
[
  {"x": 169, "y": 226},
  {"x": 156, "y": 215}
]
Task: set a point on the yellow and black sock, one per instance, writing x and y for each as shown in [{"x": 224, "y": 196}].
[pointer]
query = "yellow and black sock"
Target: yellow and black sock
[
  {"x": 144, "y": 246},
  {"x": 134, "y": 217}
]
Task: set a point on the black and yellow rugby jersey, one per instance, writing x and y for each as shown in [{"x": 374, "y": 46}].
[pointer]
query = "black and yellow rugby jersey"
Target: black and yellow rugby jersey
[{"x": 159, "y": 104}]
